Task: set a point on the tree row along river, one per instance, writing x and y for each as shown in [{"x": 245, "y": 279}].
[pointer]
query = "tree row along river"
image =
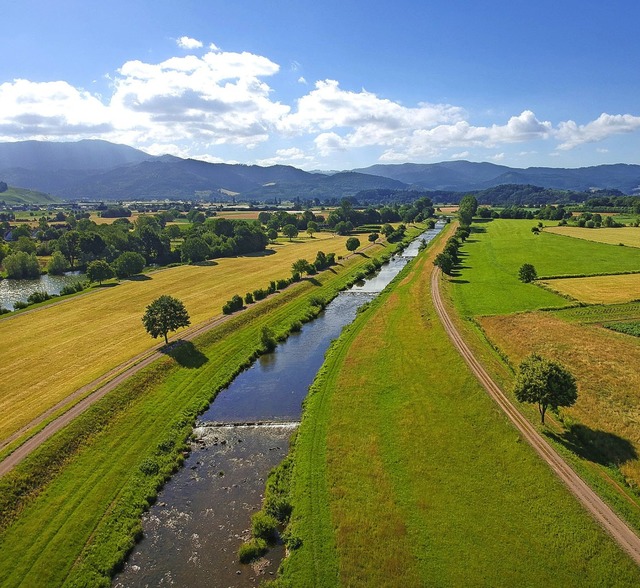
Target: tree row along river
[{"x": 192, "y": 533}]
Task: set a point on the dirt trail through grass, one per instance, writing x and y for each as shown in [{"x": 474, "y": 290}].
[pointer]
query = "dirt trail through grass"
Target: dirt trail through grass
[{"x": 609, "y": 520}]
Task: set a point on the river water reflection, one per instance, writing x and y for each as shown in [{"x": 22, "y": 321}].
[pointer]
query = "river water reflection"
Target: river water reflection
[
  {"x": 12, "y": 291},
  {"x": 192, "y": 534}
]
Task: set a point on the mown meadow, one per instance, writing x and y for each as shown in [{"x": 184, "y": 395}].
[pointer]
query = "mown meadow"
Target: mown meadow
[
  {"x": 71, "y": 511},
  {"x": 406, "y": 474},
  {"x": 50, "y": 352}
]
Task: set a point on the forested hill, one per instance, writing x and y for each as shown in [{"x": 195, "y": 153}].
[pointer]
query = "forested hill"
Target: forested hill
[{"x": 98, "y": 170}]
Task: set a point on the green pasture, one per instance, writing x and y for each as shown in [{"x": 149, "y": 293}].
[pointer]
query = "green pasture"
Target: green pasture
[
  {"x": 406, "y": 473},
  {"x": 487, "y": 281},
  {"x": 70, "y": 512}
]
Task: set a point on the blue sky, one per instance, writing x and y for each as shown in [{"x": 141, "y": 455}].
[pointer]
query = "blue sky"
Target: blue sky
[{"x": 329, "y": 85}]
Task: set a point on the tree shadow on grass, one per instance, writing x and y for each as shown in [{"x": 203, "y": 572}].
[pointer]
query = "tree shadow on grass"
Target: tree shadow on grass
[
  {"x": 259, "y": 253},
  {"x": 362, "y": 254},
  {"x": 314, "y": 281},
  {"x": 186, "y": 354},
  {"x": 206, "y": 263},
  {"x": 599, "y": 447},
  {"x": 139, "y": 278}
]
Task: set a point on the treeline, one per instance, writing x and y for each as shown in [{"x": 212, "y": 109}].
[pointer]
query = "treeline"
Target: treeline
[{"x": 619, "y": 203}]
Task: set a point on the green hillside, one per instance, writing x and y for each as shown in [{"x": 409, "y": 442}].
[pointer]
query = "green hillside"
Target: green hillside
[{"x": 15, "y": 196}]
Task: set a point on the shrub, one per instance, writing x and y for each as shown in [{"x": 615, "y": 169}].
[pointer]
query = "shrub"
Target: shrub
[
  {"x": 72, "y": 288},
  {"x": 272, "y": 287},
  {"x": 248, "y": 298},
  {"x": 4, "y": 310},
  {"x": 38, "y": 296},
  {"x": 19, "y": 305},
  {"x": 149, "y": 467},
  {"x": 267, "y": 338},
  {"x": 282, "y": 284},
  {"x": 260, "y": 294},
  {"x": 252, "y": 550},
  {"x": 264, "y": 526}
]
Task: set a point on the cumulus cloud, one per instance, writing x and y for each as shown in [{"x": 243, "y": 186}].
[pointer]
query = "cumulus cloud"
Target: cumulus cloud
[
  {"x": 571, "y": 134},
  {"x": 193, "y": 104},
  {"x": 188, "y": 43},
  {"x": 32, "y": 110}
]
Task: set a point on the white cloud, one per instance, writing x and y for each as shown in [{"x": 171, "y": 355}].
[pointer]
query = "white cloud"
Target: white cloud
[
  {"x": 47, "y": 110},
  {"x": 188, "y": 43},
  {"x": 196, "y": 104},
  {"x": 606, "y": 125}
]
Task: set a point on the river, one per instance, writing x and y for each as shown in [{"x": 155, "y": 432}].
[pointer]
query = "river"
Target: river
[
  {"x": 12, "y": 291},
  {"x": 202, "y": 515}
]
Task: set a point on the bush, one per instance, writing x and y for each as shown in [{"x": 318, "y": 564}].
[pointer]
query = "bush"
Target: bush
[
  {"x": 4, "y": 310},
  {"x": 232, "y": 305},
  {"x": 267, "y": 338},
  {"x": 282, "y": 284},
  {"x": 248, "y": 298},
  {"x": 252, "y": 550},
  {"x": 72, "y": 288},
  {"x": 19, "y": 305},
  {"x": 38, "y": 296},
  {"x": 149, "y": 467},
  {"x": 264, "y": 526},
  {"x": 260, "y": 294}
]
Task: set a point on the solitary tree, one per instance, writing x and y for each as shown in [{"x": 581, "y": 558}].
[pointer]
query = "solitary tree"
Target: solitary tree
[
  {"x": 99, "y": 270},
  {"x": 352, "y": 243},
  {"x": 290, "y": 231},
  {"x": 527, "y": 273},
  {"x": 545, "y": 383},
  {"x": 373, "y": 237},
  {"x": 312, "y": 227},
  {"x": 165, "y": 314}
]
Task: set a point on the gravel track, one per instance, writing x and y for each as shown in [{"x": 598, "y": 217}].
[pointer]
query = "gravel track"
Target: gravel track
[{"x": 603, "y": 514}]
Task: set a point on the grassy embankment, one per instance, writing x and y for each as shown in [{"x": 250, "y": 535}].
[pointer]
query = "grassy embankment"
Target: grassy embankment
[
  {"x": 406, "y": 474},
  {"x": 71, "y": 510},
  {"x": 53, "y": 351},
  {"x": 15, "y": 196},
  {"x": 600, "y": 433}
]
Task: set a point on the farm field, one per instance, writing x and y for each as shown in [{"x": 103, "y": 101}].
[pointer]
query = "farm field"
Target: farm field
[
  {"x": 406, "y": 474},
  {"x": 614, "y": 289},
  {"x": 629, "y": 236},
  {"x": 488, "y": 282},
  {"x": 606, "y": 416},
  {"x": 69, "y": 512},
  {"x": 50, "y": 352}
]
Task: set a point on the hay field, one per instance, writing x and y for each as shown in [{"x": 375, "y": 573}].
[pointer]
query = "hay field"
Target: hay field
[
  {"x": 605, "y": 365},
  {"x": 598, "y": 289},
  {"x": 50, "y": 352},
  {"x": 630, "y": 236}
]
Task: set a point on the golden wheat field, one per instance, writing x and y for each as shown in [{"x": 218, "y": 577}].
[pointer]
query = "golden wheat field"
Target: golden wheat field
[
  {"x": 50, "y": 352},
  {"x": 603, "y": 362},
  {"x": 598, "y": 289},
  {"x": 629, "y": 236}
]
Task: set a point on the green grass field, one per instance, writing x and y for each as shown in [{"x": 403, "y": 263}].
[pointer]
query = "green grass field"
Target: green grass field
[
  {"x": 406, "y": 474},
  {"x": 14, "y": 196},
  {"x": 70, "y": 511},
  {"x": 488, "y": 280}
]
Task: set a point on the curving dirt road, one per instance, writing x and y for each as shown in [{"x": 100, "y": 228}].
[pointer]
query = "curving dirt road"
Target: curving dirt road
[{"x": 607, "y": 518}]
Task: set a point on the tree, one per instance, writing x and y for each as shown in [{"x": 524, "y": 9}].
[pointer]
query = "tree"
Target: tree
[
  {"x": 99, "y": 270},
  {"x": 272, "y": 234},
  {"x": 373, "y": 237},
  {"x": 300, "y": 266},
  {"x": 69, "y": 245},
  {"x": 352, "y": 243},
  {"x": 194, "y": 249},
  {"x": 527, "y": 273},
  {"x": 57, "y": 264},
  {"x": 445, "y": 262},
  {"x": 165, "y": 314},
  {"x": 312, "y": 227},
  {"x": 128, "y": 264},
  {"x": 545, "y": 383},
  {"x": 290, "y": 231},
  {"x": 468, "y": 207},
  {"x": 21, "y": 265}
]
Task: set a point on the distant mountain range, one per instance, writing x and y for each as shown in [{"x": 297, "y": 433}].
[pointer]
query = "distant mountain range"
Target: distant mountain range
[{"x": 99, "y": 170}]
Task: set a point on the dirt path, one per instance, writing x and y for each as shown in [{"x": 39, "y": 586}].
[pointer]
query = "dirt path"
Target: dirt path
[{"x": 615, "y": 526}]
